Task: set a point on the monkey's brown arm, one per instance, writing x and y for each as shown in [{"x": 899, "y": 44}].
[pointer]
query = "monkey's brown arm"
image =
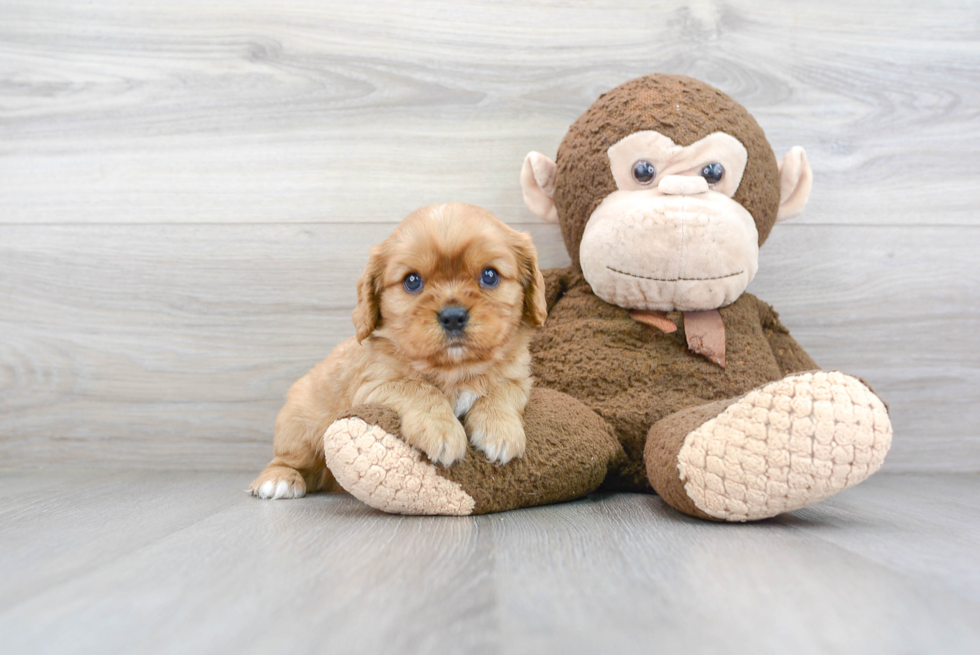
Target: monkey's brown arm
[
  {"x": 556, "y": 281},
  {"x": 789, "y": 354}
]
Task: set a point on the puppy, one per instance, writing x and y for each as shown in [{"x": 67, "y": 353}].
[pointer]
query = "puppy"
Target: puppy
[{"x": 445, "y": 311}]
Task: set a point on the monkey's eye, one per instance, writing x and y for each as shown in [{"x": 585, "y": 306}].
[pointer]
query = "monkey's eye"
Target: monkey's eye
[
  {"x": 713, "y": 173},
  {"x": 489, "y": 277},
  {"x": 644, "y": 172},
  {"x": 412, "y": 283}
]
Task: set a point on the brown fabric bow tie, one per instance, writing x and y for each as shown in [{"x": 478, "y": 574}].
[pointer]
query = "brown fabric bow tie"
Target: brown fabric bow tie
[{"x": 705, "y": 331}]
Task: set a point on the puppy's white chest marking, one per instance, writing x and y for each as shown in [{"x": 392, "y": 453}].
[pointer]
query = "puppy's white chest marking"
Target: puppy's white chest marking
[{"x": 464, "y": 401}]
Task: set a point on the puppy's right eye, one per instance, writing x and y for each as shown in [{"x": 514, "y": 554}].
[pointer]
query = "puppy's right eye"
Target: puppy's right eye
[
  {"x": 412, "y": 283},
  {"x": 489, "y": 277}
]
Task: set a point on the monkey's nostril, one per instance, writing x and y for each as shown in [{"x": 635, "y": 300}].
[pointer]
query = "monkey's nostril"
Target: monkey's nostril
[{"x": 453, "y": 318}]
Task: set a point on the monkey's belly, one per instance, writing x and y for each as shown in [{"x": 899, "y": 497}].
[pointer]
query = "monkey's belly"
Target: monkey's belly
[{"x": 633, "y": 374}]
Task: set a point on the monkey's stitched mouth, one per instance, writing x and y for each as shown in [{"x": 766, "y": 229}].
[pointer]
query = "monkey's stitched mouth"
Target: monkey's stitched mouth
[{"x": 674, "y": 279}]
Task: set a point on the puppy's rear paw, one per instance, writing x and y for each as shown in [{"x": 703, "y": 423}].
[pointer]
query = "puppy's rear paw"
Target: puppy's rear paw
[
  {"x": 440, "y": 436},
  {"x": 500, "y": 436},
  {"x": 278, "y": 482}
]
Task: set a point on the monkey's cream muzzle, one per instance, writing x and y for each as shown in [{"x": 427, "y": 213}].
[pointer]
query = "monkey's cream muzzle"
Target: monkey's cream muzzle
[{"x": 659, "y": 251}]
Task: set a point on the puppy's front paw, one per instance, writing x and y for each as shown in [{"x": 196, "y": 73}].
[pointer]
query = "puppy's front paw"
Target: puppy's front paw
[
  {"x": 278, "y": 482},
  {"x": 499, "y": 434},
  {"x": 439, "y": 435}
]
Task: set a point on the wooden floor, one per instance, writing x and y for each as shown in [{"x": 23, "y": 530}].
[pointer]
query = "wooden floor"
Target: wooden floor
[{"x": 155, "y": 561}]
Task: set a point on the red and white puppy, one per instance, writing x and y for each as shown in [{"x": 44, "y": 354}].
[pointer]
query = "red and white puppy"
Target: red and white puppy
[{"x": 444, "y": 316}]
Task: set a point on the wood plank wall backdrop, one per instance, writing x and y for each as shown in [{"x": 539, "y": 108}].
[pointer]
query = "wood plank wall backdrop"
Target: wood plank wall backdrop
[{"x": 188, "y": 191}]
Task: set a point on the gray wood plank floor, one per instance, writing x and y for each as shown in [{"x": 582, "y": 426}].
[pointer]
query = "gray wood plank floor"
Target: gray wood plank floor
[{"x": 99, "y": 561}]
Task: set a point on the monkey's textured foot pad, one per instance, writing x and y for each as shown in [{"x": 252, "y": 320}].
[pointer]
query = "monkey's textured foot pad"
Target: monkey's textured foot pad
[
  {"x": 384, "y": 472},
  {"x": 784, "y": 446},
  {"x": 569, "y": 452}
]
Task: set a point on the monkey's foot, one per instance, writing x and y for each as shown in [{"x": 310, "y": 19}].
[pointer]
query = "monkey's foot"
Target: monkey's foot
[
  {"x": 569, "y": 452},
  {"x": 781, "y": 447},
  {"x": 381, "y": 470}
]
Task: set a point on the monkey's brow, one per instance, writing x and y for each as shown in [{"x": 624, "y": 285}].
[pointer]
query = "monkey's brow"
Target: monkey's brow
[{"x": 674, "y": 279}]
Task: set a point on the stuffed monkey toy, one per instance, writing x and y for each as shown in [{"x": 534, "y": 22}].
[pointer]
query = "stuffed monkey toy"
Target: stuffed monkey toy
[{"x": 654, "y": 371}]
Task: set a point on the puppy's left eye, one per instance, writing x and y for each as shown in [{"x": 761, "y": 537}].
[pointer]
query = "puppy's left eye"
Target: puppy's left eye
[
  {"x": 412, "y": 282},
  {"x": 490, "y": 277}
]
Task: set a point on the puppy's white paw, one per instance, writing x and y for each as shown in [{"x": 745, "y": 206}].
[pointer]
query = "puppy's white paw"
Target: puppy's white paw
[
  {"x": 273, "y": 490},
  {"x": 439, "y": 435},
  {"x": 499, "y": 435},
  {"x": 278, "y": 483}
]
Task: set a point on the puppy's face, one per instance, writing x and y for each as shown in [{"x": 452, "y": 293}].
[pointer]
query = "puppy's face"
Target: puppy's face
[{"x": 450, "y": 286}]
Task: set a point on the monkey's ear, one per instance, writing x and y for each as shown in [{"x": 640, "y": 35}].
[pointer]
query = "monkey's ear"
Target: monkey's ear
[
  {"x": 535, "y": 305},
  {"x": 367, "y": 314},
  {"x": 538, "y": 184},
  {"x": 795, "y": 182}
]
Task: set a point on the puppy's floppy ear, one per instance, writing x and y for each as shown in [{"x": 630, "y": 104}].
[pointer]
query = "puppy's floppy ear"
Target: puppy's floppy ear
[
  {"x": 367, "y": 314},
  {"x": 535, "y": 306}
]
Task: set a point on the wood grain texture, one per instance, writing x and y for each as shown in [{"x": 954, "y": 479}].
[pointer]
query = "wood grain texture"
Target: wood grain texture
[
  {"x": 188, "y": 192},
  {"x": 167, "y": 346},
  {"x": 187, "y": 562},
  {"x": 256, "y": 112}
]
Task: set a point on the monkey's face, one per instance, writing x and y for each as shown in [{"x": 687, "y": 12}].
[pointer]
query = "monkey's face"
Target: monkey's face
[
  {"x": 671, "y": 237},
  {"x": 664, "y": 190}
]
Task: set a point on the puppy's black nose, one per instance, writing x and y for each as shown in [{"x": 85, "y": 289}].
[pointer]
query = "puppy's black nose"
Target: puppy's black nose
[{"x": 453, "y": 318}]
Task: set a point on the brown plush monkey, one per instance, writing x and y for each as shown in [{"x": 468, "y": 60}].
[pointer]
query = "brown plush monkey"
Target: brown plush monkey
[{"x": 654, "y": 370}]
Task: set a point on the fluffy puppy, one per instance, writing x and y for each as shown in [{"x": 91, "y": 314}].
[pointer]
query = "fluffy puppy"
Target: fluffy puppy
[{"x": 445, "y": 311}]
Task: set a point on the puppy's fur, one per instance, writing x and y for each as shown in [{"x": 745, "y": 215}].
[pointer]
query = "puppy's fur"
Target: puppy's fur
[{"x": 402, "y": 357}]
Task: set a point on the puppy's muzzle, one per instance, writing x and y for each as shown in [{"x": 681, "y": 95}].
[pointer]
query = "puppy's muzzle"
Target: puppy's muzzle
[{"x": 453, "y": 319}]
